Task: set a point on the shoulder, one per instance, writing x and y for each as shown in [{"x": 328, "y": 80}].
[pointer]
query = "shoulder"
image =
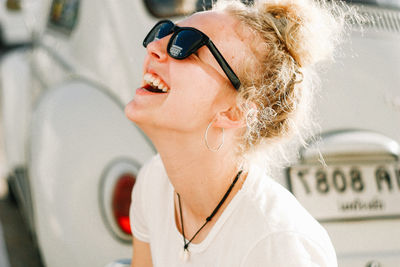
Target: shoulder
[
  {"x": 276, "y": 206},
  {"x": 152, "y": 170},
  {"x": 154, "y": 165},
  {"x": 144, "y": 198},
  {"x": 152, "y": 177},
  {"x": 288, "y": 248},
  {"x": 283, "y": 223}
]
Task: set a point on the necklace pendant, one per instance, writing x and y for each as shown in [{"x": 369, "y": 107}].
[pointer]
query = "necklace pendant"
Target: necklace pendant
[{"x": 185, "y": 255}]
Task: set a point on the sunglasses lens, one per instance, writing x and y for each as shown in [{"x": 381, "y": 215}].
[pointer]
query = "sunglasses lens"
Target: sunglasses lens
[
  {"x": 184, "y": 44},
  {"x": 159, "y": 31}
]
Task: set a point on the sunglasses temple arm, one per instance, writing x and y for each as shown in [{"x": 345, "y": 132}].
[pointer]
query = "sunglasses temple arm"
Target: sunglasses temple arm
[{"x": 224, "y": 65}]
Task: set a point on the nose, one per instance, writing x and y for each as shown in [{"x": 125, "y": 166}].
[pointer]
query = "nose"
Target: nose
[{"x": 158, "y": 49}]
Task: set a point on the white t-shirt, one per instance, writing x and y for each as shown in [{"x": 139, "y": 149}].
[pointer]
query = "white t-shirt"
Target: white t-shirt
[{"x": 263, "y": 225}]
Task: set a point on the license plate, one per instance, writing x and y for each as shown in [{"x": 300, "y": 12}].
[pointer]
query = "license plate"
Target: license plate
[{"x": 347, "y": 191}]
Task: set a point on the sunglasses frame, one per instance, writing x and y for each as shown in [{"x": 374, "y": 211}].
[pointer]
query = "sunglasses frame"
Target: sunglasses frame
[{"x": 205, "y": 40}]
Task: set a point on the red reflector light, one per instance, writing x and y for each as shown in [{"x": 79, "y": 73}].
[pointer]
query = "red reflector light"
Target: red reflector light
[
  {"x": 124, "y": 223},
  {"x": 121, "y": 201}
]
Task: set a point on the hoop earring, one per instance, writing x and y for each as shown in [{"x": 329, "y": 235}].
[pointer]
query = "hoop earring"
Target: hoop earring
[{"x": 206, "y": 140}]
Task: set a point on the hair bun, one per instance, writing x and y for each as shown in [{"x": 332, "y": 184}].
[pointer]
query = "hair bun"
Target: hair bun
[{"x": 308, "y": 29}]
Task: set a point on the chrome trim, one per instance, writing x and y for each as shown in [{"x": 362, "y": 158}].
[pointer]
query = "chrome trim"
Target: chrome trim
[
  {"x": 377, "y": 18},
  {"x": 120, "y": 263},
  {"x": 390, "y": 150},
  {"x": 117, "y": 166}
]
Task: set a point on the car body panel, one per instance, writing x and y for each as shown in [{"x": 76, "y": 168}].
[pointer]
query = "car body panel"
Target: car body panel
[
  {"x": 69, "y": 151},
  {"x": 15, "y": 105},
  {"x": 368, "y": 96}
]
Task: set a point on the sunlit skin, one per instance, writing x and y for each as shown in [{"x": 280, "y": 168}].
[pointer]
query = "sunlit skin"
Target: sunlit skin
[{"x": 176, "y": 121}]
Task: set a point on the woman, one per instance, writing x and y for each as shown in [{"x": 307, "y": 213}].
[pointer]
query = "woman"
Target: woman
[{"x": 209, "y": 106}]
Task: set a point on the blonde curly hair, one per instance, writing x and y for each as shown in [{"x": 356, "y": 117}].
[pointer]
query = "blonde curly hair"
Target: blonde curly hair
[{"x": 277, "y": 84}]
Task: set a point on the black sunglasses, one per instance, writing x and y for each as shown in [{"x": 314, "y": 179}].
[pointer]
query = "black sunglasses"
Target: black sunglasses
[{"x": 186, "y": 41}]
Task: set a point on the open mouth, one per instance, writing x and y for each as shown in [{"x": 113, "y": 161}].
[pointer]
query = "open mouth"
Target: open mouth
[{"x": 154, "y": 84}]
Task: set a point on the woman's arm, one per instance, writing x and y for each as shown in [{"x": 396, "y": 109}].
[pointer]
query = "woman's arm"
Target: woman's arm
[{"x": 141, "y": 254}]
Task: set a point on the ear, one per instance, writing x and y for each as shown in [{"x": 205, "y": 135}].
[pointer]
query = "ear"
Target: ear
[{"x": 229, "y": 119}]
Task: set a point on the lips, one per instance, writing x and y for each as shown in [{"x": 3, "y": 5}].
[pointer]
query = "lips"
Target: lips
[{"x": 155, "y": 84}]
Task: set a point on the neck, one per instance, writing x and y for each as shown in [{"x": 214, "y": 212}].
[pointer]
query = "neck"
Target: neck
[{"x": 200, "y": 176}]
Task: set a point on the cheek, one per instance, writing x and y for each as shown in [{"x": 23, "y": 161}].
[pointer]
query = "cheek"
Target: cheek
[
  {"x": 194, "y": 90},
  {"x": 194, "y": 81}
]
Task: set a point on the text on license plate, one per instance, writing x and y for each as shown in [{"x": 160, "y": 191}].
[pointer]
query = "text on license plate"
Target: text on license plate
[{"x": 347, "y": 190}]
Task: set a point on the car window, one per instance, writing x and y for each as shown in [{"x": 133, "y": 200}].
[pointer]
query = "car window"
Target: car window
[
  {"x": 63, "y": 15},
  {"x": 170, "y": 8}
]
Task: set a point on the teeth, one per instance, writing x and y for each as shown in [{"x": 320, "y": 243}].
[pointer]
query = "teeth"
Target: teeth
[
  {"x": 147, "y": 76},
  {"x": 155, "y": 82}
]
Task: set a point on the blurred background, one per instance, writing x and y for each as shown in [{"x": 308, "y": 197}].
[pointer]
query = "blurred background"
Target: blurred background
[{"x": 69, "y": 157}]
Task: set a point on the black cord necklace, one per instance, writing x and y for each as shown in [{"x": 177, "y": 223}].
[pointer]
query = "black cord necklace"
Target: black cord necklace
[{"x": 185, "y": 252}]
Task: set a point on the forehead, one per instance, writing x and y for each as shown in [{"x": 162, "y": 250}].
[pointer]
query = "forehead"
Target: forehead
[
  {"x": 225, "y": 31},
  {"x": 210, "y": 22},
  {"x": 218, "y": 26}
]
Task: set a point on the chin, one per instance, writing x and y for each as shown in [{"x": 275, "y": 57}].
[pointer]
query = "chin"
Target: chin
[
  {"x": 132, "y": 112},
  {"x": 140, "y": 116}
]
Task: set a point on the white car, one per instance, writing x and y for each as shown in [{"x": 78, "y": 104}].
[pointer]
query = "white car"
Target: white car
[{"x": 72, "y": 156}]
